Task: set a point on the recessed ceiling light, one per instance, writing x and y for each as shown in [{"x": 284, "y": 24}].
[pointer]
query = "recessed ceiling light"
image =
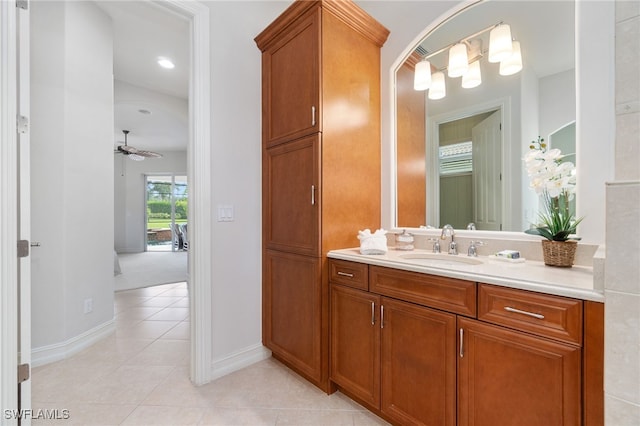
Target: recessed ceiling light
[{"x": 166, "y": 63}]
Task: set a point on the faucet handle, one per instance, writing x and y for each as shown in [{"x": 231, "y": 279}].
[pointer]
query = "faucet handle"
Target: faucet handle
[
  {"x": 436, "y": 245},
  {"x": 473, "y": 248}
]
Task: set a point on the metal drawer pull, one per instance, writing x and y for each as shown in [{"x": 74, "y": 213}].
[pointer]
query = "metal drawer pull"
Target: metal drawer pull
[
  {"x": 373, "y": 313},
  {"x": 344, "y": 274},
  {"x": 313, "y": 116},
  {"x": 518, "y": 311},
  {"x": 461, "y": 343},
  {"x": 313, "y": 195},
  {"x": 381, "y": 316}
]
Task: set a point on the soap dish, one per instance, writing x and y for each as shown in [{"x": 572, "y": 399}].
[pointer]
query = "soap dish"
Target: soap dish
[{"x": 506, "y": 259}]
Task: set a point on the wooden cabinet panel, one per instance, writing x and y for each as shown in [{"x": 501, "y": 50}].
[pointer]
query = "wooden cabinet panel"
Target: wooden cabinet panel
[
  {"x": 292, "y": 319},
  {"x": 291, "y": 82},
  {"x": 507, "y": 378},
  {"x": 542, "y": 314},
  {"x": 292, "y": 196},
  {"x": 355, "y": 343},
  {"x": 349, "y": 273},
  {"x": 418, "y": 364},
  {"x": 449, "y": 294}
]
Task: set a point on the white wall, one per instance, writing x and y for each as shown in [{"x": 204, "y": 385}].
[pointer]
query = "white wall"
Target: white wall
[
  {"x": 129, "y": 195},
  {"x": 72, "y": 170},
  {"x": 236, "y": 172}
]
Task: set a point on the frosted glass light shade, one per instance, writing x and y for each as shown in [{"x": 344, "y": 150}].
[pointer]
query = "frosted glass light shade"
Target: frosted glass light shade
[
  {"x": 438, "y": 89},
  {"x": 422, "y": 76},
  {"x": 458, "y": 60},
  {"x": 513, "y": 63},
  {"x": 500, "y": 46},
  {"x": 472, "y": 78}
]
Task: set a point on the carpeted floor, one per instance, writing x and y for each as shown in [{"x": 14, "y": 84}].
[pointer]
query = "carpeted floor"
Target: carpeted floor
[{"x": 150, "y": 268}]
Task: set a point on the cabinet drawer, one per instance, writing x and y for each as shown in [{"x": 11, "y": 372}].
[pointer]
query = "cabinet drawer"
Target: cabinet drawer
[
  {"x": 351, "y": 274},
  {"x": 555, "y": 317},
  {"x": 449, "y": 294}
]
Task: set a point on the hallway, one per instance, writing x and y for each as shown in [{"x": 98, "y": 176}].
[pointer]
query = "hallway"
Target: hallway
[{"x": 139, "y": 376}]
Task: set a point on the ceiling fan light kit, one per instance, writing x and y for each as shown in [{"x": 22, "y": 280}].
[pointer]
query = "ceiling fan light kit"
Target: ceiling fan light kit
[{"x": 135, "y": 153}]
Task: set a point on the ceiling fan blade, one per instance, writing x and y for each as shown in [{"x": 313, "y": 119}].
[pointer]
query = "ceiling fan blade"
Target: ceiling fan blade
[
  {"x": 127, "y": 149},
  {"x": 149, "y": 154}
]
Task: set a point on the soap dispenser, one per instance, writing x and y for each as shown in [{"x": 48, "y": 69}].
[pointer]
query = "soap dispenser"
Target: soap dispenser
[{"x": 404, "y": 241}]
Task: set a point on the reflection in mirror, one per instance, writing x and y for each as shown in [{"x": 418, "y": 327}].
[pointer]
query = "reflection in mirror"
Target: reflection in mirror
[{"x": 459, "y": 158}]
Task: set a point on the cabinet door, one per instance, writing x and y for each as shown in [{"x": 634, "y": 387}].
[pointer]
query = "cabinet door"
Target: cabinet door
[
  {"x": 291, "y": 82},
  {"x": 507, "y": 378},
  {"x": 418, "y": 364},
  {"x": 292, "y": 321},
  {"x": 291, "y": 194},
  {"x": 355, "y": 343}
]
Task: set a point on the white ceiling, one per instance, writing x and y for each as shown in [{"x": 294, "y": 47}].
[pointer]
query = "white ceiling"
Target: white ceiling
[{"x": 142, "y": 33}]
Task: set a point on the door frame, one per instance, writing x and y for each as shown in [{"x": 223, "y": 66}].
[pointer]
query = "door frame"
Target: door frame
[
  {"x": 8, "y": 213},
  {"x": 199, "y": 270}
]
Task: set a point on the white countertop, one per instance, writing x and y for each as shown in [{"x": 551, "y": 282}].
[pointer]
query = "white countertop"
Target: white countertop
[{"x": 576, "y": 282}]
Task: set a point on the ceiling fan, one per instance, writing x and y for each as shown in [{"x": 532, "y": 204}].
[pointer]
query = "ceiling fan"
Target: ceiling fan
[{"x": 134, "y": 153}]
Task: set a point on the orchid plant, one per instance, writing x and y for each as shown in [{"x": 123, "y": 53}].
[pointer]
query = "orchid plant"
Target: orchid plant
[{"x": 555, "y": 181}]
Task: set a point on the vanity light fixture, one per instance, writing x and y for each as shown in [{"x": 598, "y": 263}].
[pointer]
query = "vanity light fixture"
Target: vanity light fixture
[
  {"x": 458, "y": 60},
  {"x": 464, "y": 60},
  {"x": 438, "y": 89},
  {"x": 513, "y": 63},
  {"x": 500, "y": 46},
  {"x": 422, "y": 76},
  {"x": 473, "y": 77}
]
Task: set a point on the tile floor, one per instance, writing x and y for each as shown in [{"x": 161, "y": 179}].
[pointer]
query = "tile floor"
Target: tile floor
[{"x": 139, "y": 376}]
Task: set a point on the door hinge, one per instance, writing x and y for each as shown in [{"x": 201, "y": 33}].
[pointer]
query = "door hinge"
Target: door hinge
[
  {"x": 23, "y": 248},
  {"x": 23, "y": 372},
  {"x": 22, "y": 4},
  {"x": 23, "y": 124}
]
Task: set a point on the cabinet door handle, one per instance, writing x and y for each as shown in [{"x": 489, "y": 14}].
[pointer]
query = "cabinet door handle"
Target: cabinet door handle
[
  {"x": 313, "y": 116},
  {"x": 344, "y": 274},
  {"x": 373, "y": 313},
  {"x": 313, "y": 195},
  {"x": 461, "y": 343},
  {"x": 518, "y": 311},
  {"x": 381, "y": 316}
]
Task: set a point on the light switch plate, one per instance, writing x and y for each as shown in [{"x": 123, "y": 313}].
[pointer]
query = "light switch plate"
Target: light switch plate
[{"x": 225, "y": 213}]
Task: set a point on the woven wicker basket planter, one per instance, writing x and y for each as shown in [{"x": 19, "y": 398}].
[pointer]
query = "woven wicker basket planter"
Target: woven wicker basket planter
[{"x": 559, "y": 253}]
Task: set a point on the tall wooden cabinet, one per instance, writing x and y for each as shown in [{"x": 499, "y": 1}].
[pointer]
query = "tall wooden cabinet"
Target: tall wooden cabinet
[{"x": 321, "y": 166}]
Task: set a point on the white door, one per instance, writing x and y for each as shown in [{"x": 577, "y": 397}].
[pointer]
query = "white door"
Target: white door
[
  {"x": 15, "y": 316},
  {"x": 487, "y": 173}
]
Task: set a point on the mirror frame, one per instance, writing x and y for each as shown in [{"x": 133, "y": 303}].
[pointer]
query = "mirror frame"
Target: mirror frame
[{"x": 595, "y": 114}]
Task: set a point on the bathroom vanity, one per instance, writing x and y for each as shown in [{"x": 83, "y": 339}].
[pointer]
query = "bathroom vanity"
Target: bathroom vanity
[{"x": 420, "y": 338}]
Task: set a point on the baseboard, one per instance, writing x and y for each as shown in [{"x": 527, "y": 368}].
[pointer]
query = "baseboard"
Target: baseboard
[
  {"x": 239, "y": 360},
  {"x": 59, "y": 351}
]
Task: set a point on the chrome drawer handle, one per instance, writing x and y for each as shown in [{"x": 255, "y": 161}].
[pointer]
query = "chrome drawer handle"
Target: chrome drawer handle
[
  {"x": 344, "y": 274},
  {"x": 518, "y": 311},
  {"x": 461, "y": 343},
  {"x": 373, "y": 313}
]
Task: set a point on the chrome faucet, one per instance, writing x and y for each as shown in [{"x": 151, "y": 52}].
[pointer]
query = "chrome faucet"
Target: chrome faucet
[
  {"x": 471, "y": 226},
  {"x": 447, "y": 231}
]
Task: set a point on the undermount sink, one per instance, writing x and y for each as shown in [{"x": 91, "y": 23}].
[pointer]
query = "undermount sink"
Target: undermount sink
[{"x": 430, "y": 258}]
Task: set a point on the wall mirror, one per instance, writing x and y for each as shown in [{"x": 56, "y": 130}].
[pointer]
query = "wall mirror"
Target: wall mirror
[{"x": 459, "y": 157}]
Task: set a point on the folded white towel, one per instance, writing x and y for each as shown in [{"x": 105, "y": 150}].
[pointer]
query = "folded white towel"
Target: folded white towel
[{"x": 375, "y": 243}]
